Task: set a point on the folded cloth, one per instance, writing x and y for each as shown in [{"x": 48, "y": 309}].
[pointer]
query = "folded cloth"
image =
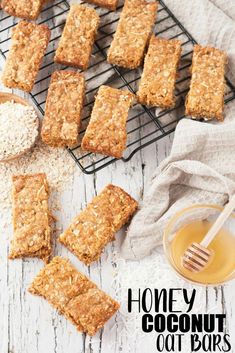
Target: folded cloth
[{"x": 201, "y": 165}]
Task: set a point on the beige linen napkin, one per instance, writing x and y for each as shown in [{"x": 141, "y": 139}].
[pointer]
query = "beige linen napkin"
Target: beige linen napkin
[{"x": 201, "y": 166}]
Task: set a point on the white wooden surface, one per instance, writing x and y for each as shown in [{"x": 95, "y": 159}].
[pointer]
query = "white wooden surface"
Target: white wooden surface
[{"x": 29, "y": 325}]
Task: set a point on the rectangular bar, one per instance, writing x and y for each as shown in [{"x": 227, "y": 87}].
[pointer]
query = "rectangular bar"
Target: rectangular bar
[
  {"x": 78, "y": 37},
  {"x": 108, "y": 4},
  {"x": 133, "y": 31},
  {"x": 63, "y": 109},
  {"x": 31, "y": 217},
  {"x": 95, "y": 226},
  {"x": 74, "y": 295},
  {"x": 29, "y": 43},
  {"x": 27, "y": 9},
  {"x": 207, "y": 88},
  {"x": 106, "y": 132},
  {"x": 158, "y": 80}
]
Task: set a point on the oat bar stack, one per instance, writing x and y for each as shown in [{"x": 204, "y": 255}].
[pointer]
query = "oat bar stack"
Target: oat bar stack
[
  {"x": 106, "y": 132},
  {"x": 207, "y": 88},
  {"x": 160, "y": 71},
  {"x": 29, "y": 43},
  {"x": 63, "y": 109},
  {"x": 133, "y": 32},
  {"x": 78, "y": 37},
  {"x": 95, "y": 226},
  {"x": 74, "y": 295},
  {"x": 31, "y": 217}
]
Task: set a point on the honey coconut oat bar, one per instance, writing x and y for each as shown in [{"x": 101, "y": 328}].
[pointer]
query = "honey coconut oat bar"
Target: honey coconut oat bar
[
  {"x": 74, "y": 295},
  {"x": 96, "y": 225}
]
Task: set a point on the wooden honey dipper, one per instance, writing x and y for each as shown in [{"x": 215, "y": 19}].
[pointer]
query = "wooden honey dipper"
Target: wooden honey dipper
[{"x": 197, "y": 256}]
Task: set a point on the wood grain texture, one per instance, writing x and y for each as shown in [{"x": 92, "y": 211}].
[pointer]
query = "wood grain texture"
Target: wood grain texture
[{"x": 30, "y": 325}]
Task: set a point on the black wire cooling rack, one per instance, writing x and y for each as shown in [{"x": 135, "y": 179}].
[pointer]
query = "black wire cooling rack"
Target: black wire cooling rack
[{"x": 145, "y": 125}]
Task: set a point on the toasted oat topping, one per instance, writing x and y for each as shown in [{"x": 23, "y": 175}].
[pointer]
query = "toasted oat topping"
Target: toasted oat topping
[
  {"x": 206, "y": 96},
  {"x": 74, "y": 295},
  {"x": 63, "y": 109},
  {"x": 78, "y": 37},
  {"x": 106, "y": 132},
  {"x": 159, "y": 75},
  {"x": 109, "y": 4},
  {"x": 27, "y": 9},
  {"x": 29, "y": 42},
  {"x": 133, "y": 31},
  {"x": 95, "y": 226},
  {"x": 31, "y": 217}
]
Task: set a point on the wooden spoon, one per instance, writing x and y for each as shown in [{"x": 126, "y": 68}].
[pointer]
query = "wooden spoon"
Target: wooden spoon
[
  {"x": 6, "y": 97},
  {"x": 197, "y": 256}
]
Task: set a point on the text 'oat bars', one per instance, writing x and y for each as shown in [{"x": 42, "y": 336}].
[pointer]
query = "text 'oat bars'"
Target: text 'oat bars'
[
  {"x": 109, "y": 4},
  {"x": 96, "y": 225},
  {"x": 159, "y": 75},
  {"x": 63, "y": 109},
  {"x": 27, "y": 9},
  {"x": 106, "y": 132},
  {"x": 31, "y": 217},
  {"x": 132, "y": 34},
  {"x": 78, "y": 37},
  {"x": 207, "y": 88},
  {"x": 74, "y": 295},
  {"x": 29, "y": 42}
]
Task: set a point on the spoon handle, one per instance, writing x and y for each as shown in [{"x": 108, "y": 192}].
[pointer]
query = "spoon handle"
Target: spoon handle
[{"x": 228, "y": 209}]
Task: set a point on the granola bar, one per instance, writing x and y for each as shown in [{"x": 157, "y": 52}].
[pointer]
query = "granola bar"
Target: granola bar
[
  {"x": 132, "y": 34},
  {"x": 207, "y": 88},
  {"x": 159, "y": 75},
  {"x": 63, "y": 109},
  {"x": 95, "y": 226},
  {"x": 27, "y": 9},
  {"x": 78, "y": 37},
  {"x": 106, "y": 132},
  {"x": 31, "y": 217},
  {"x": 74, "y": 295},
  {"x": 108, "y": 4},
  {"x": 29, "y": 42}
]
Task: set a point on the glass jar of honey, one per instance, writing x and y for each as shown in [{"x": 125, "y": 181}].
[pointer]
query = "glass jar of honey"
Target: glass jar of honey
[{"x": 191, "y": 225}]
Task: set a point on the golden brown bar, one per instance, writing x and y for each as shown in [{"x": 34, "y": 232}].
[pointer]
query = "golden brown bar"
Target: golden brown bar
[
  {"x": 29, "y": 43},
  {"x": 207, "y": 88},
  {"x": 109, "y": 4},
  {"x": 106, "y": 132},
  {"x": 31, "y": 217},
  {"x": 160, "y": 71},
  {"x": 63, "y": 109},
  {"x": 78, "y": 37},
  {"x": 27, "y": 9},
  {"x": 74, "y": 295},
  {"x": 132, "y": 34},
  {"x": 95, "y": 226}
]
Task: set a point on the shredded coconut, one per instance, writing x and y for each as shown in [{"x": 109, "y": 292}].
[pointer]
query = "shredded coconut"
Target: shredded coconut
[{"x": 19, "y": 126}]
